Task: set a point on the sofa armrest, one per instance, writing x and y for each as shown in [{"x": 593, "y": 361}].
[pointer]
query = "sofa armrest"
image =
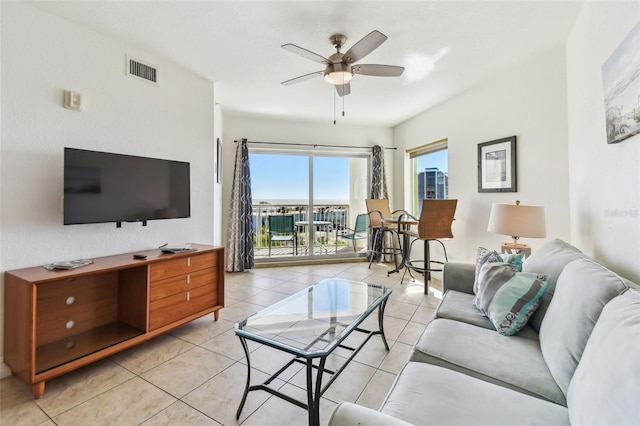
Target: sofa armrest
[
  {"x": 458, "y": 276},
  {"x": 348, "y": 414}
]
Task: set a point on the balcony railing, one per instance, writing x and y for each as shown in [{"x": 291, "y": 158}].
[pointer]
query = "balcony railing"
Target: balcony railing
[{"x": 329, "y": 221}]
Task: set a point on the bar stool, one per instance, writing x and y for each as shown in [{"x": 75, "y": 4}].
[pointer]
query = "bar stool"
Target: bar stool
[
  {"x": 435, "y": 222},
  {"x": 380, "y": 224}
]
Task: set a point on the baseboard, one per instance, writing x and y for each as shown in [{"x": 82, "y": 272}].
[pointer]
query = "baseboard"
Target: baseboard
[{"x": 4, "y": 370}]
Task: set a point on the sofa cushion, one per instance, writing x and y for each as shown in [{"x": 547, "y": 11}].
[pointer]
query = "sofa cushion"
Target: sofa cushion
[
  {"x": 458, "y": 306},
  {"x": 427, "y": 394},
  {"x": 484, "y": 256},
  {"x": 583, "y": 289},
  {"x": 550, "y": 259},
  {"x": 514, "y": 362},
  {"x": 508, "y": 297},
  {"x": 609, "y": 370}
]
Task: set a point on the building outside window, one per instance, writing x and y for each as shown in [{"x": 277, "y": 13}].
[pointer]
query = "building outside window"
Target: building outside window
[
  {"x": 430, "y": 172},
  {"x": 433, "y": 183}
]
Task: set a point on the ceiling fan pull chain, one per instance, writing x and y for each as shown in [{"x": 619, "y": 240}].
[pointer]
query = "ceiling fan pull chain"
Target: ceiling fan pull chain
[
  {"x": 334, "y": 107},
  {"x": 343, "y": 82}
]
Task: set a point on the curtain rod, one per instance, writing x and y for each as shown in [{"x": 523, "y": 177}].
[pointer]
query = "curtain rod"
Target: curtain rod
[{"x": 315, "y": 145}]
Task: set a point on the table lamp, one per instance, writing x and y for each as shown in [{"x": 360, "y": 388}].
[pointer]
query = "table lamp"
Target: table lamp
[{"x": 517, "y": 220}]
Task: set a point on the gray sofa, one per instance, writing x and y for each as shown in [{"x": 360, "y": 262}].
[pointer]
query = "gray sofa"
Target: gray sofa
[{"x": 576, "y": 361}]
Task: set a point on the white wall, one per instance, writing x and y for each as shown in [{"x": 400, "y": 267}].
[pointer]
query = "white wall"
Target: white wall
[
  {"x": 277, "y": 130},
  {"x": 604, "y": 179},
  {"x": 43, "y": 55},
  {"x": 529, "y": 101}
]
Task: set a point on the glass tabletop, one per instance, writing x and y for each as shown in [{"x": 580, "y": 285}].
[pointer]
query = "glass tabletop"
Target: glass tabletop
[{"x": 314, "y": 321}]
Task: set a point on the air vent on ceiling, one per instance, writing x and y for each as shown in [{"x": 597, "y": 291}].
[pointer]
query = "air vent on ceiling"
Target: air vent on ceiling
[{"x": 146, "y": 72}]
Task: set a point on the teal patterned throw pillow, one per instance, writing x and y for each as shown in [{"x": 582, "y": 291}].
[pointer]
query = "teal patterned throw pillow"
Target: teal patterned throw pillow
[
  {"x": 484, "y": 256},
  {"x": 508, "y": 297}
]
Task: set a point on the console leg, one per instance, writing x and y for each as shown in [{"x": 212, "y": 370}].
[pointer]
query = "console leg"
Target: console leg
[
  {"x": 216, "y": 315},
  {"x": 38, "y": 390}
]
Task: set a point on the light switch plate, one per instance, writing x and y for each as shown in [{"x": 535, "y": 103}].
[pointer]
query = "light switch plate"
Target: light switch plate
[{"x": 73, "y": 100}]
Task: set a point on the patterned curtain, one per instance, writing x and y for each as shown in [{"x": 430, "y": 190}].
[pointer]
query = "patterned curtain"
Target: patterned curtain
[
  {"x": 379, "y": 176},
  {"x": 240, "y": 233},
  {"x": 378, "y": 191}
]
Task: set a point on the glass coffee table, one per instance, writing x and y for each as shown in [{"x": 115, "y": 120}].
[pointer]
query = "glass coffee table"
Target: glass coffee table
[{"x": 310, "y": 325}]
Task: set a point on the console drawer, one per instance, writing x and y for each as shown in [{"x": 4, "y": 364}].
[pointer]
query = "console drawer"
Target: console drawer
[
  {"x": 182, "y": 265},
  {"x": 172, "y": 308},
  {"x": 181, "y": 283}
]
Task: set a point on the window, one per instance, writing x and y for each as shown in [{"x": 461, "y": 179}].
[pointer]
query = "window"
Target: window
[
  {"x": 324, "y": 192},
  {"x": 430, "y": 172}
]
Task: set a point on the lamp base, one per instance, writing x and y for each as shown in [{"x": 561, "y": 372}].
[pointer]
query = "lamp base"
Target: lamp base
[
  {"x": 516, "y": 246},
  {"x": 511, "y": 248}
]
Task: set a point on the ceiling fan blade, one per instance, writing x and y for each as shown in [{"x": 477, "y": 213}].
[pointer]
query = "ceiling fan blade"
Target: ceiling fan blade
[
  {"x": 302, "y": 78},
  {"x": 378, "y": 70},
  {"x": 343, "y": 89},
  {"x": 305, "y": 53},
  {"x": 366, "y": 45}
]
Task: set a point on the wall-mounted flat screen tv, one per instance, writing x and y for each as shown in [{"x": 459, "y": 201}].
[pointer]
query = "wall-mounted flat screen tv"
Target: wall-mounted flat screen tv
[{"x": 104, "y": 187}]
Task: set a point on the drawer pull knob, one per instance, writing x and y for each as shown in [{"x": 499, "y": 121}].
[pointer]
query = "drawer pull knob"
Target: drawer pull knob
[
  {"x": 188, "y": 261},
  {"x": 70, "y": 344},
  {"x": 71, "y": 300},
  {"x": 70, "y": 324},
  {"x": 188, "y": 279},
  {"x": 188, "y": 296}
]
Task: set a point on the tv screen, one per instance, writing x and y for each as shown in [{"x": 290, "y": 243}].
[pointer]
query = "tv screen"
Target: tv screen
[{"x": 105, "y": 187}]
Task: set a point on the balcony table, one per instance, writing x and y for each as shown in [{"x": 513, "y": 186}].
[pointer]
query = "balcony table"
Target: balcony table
[{"x": 304, "y": 224}]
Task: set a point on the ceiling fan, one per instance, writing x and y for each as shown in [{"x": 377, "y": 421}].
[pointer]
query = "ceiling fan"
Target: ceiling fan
[{"x": 340, "y": 67}]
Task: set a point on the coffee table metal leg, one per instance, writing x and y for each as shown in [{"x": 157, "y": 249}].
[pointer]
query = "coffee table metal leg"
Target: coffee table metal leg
[
  {"x": 381, "y": 322},
  {"x": 313, "y": 396},
  {"x": 246, "y": 389},
  {"x": 310, "y": 410}
]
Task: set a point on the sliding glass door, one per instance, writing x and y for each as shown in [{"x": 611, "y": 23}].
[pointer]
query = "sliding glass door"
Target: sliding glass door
[{"x": 321, "y": 194}]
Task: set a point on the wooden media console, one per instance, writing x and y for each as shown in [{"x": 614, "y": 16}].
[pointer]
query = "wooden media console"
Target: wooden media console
[{"x": 57, "y": 321}]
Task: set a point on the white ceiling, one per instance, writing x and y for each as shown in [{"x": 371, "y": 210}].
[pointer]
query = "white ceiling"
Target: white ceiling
[{"x": 445, "y": 46}]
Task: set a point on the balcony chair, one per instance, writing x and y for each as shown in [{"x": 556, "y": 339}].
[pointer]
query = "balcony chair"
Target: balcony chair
[
  {"x": 281, "y": 229},
  {"x": 357, "y": 231},
  {"x": 435, "y": 222},
  {"x": 377, "y": 211}
]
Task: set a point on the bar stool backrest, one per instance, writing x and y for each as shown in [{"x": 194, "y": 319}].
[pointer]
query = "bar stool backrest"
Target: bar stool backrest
[
  {"x": 375, "y": 208},
  {"x": 436, "y": 219}
]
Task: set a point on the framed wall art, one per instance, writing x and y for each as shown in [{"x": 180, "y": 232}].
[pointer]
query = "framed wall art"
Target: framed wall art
[
  {"x": 621, "y": 83},
  {"x": 497, "y": 165}
]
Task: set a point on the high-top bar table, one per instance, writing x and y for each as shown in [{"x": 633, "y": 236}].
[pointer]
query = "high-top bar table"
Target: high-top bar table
[{"x": 402, "y": 223}]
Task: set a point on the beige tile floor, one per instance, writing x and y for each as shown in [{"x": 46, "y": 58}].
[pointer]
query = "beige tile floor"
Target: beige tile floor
[{"x": 195, "y": 375}]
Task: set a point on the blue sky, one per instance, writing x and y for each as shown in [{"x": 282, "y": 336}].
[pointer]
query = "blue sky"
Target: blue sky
[
  {"x": 437, "y": 159},
  {"x": 286, "y": 177}
]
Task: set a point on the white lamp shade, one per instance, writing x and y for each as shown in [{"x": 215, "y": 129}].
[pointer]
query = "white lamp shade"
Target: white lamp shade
[{"x": 517, "y": 220}]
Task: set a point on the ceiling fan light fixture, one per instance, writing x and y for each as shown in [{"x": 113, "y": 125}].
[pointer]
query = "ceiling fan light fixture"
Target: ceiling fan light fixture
[{"x": 338, "y": 74}]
